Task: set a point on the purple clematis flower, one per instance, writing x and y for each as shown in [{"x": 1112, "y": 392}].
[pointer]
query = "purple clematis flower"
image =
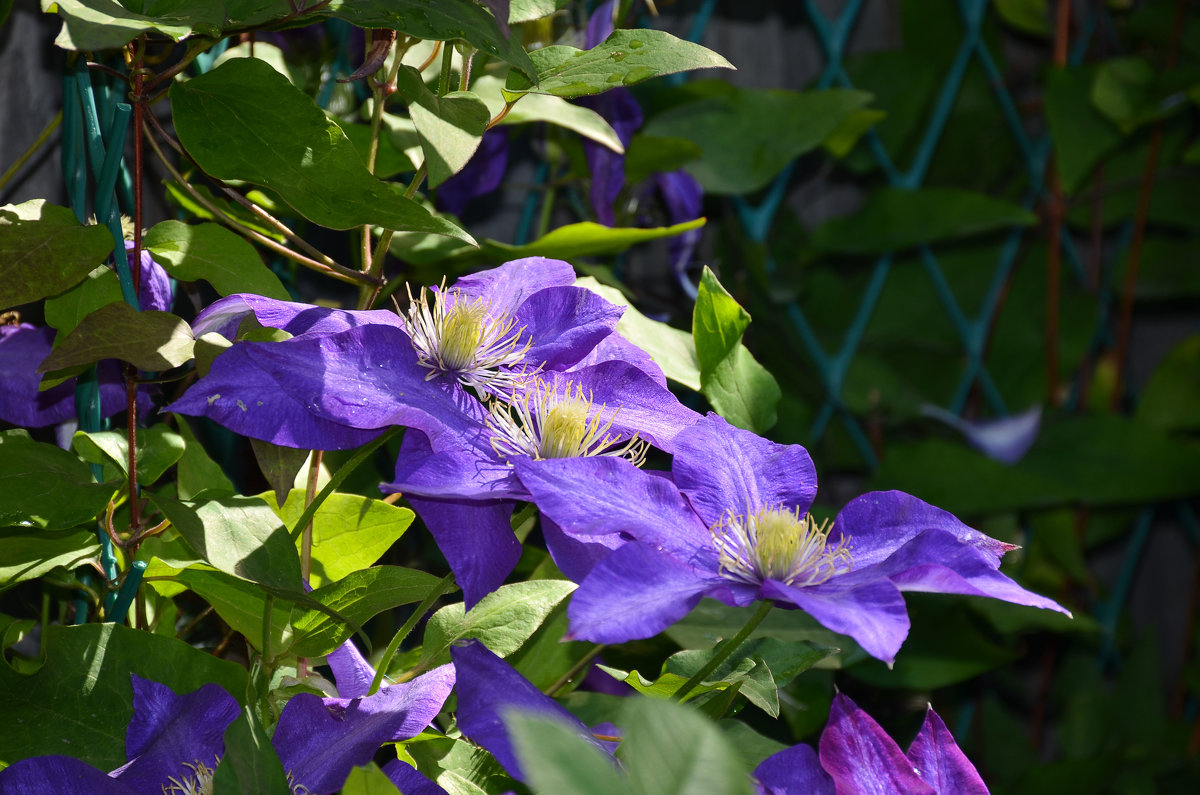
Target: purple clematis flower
[
  {"x": 857, "y": 757},
  {"x": 175, "y": 741},
  {"x": 489, "y": 689},
  {"x": 1004, "y": 439},
  {"x": 732, "y": 523},
  {"x": 483, "y": 173}
]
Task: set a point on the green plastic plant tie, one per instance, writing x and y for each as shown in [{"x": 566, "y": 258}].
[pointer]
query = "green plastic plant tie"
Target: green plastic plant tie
[
  {"x": 106, "y": 181},
  {"x": 530, "y": 208},
  {"x": 80, "y": 602},
  {"x": 72, "y": 151},
  {"x": 1108, "y": 612}
]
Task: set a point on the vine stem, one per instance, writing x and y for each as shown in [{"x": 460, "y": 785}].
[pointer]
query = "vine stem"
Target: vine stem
[
  {"x": 575, "y": 669},
  {"x": 135, "y": 272},
  {"x": 336, "y": 480},
  {"x": 723, "y": 651},
  {"x": 444, "y": 586},
  {"x": 314, "y": 472}
]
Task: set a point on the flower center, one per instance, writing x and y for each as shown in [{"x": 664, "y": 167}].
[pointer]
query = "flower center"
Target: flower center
[
  {"x": 778, "y": 544},
  {"x": 542, "y": 423},
  {"x": 457, "y": 337},
  {"x": 200, "y": 781}
]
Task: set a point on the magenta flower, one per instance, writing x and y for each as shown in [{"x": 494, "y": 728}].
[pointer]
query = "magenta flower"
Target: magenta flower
[
  {"x": 732, "y": 523},
  {"x": 857, "y": 757}
]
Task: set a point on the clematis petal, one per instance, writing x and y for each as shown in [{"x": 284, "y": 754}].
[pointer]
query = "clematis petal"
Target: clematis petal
[
  {"x": 938, "y": 562},
  {"x": 872, "y": 612},
  {"x": 636, "y": 592},
  {"x": 224, "y": 315},
  {"x": 604, "y": 495},
  {"x": 488, "y": 689},
  {"x": 575, "y": 557},
  {"x": 615, "y": 347},
  {"x": 468, "y": 470},
  {"x": 351, "y": 672},
  {"x": 861, "y": 757},
  {"x": 793, "y": 771},
  {"x": 154, "y": 285},
  {"x": 22, "y": 349},
  {"x": 940, "y": 762},
  {"x": 483, "y": 173},
  {"x": 723, "y": 469},
  {"x": 409, "y": 780},
  {"x": 564, "y": 324},
  {"x": 880, "y": 522},
  {"x": 477, "y": 540},
  {"x": 319, "y": 740},
  {"x": 506, "y": 287},
  {"x": 607, "y": 168},
  {"x": 327, "y": 392},
  {"x": 54, "y": 775},
  {"x": 1005, "y": 439},
  {"x": 684, "y": 200},
  {"x": 169, "y": 731}
]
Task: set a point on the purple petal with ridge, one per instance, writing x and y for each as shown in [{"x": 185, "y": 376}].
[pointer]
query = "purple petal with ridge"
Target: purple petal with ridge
[
  {"x": 600, "y": 24},
  {"x": 614, "y": 347},
  {"x": 862, "y": 758},
  {"x": 724, "y": 469},
  {"x": 793, "y": 771},
  {"x": 604, "y": 495},
  {"x": 169, "y": 730},
  {"x": 871, "y": 612},
  {"x": 565, "y": 323},
  {"x": 636, "y": 592},
  {"x": 55, "y": 775},
  {"x": 468, "y": 470},
  {"x": 506, "y": 287},
  {"x": 477, "y": 540},
  {"x": 941, "y": 763},
  {"x": 327, "y": 392},
  {"x": 880, "y": 522},
  {"x": 575, "y": 557},
  {"x": 607, "y": 168},
  {"x": 319, "y": 740},
  {"x": 409, "y": 780},
  {"x": 226, "y": 314},
  {"x": 154, "y": 285},
  {"x": 488, "y": 688},
  {"x": 684, "y": 200},
  {"x": 483, "y": 173},
  {"x": 351, "y": 672}
]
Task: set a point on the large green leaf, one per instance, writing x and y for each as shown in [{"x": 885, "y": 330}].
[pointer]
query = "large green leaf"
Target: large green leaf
[
  {"x": 240, "y": 536},
  {"x": 625, "y": 58},
  {"x": 350, "y": 532},
  {"x": 369, "y": 780},
  {"x": 250, "y": 763},
  {"x": 245, "y": 121},
  {"x": 196, "y": 471},
  {"x": 555, "y": 759},
  {"x": 776, "y": 663},
  {"x": 547, "y": 108},
  {"x": 148, "y": 340},
  {"x": 737, "y": 386},
  {"x": 80, "y": 701},
  {"x": 280, "y": 466},
  {"x": 99, "y": 288},
  {"x": 1081, "y": 135},
  {"x": 44, "y": 486},
  {"x": 106, "y": 24},
  {"x": 450, "y": 127},
  {"x": 1171, "y": 401},
  {"x": 438, "y": 21},
  {"x": 896, "y": 219},
  {"x": 670, "y": 749},
  {"x": 27, "y": 553},
  {"x": 671, "y": 349},
  {"x": 747, "y": 136},
  {"x": 210, "y": 252},
  {"x": 44, "y": 250},
  {"x": 158, "y": 448},
  {"x": 502, "y": 620}
]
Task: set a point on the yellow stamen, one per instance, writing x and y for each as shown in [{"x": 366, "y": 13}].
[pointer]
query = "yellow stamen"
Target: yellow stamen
[{"x": 779, "y": 544}]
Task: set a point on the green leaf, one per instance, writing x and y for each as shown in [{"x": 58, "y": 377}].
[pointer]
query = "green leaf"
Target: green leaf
[
  {"x": 99, "y": 288},
  {"x": 502, "y": 620},
  {"x": 737, "y": 386},
  {"x": 148, "y": 340},
  {"x": 457, "y": 766},
  {"x": 250, "y": 763},
  {"x": 748, "y": 136},
  {"x": 649, "y": 154},
  {"x": 389, "y": 161},
  {"x": 1027, "y": 16},
  {"x": 1081, "y": 135},
  {"x": 357, "y": 597},
  {"x": 529, "y": 10},
  {"x": 1129, "y": 92},
  {"x": 196, "y": 471},
  {"x": 440, "y": 21},
  {"x": 555, "y": 759},
  {"x": 547, "y": 108},
  {"x": 105, "y": 24},
  {"x": 44, "y": 250},
  {"x": 240, "y": 536},
  {"x": 854, "y": 126},
  {"x": 80, "y": 701},
  {"x": 368, "y": 780},
  {"x": 1171, "y": 401},
  {"x": 670, "y": 749},
  {"x": 625, "y": 58},
  {"x": 450, "y": 127},
  {"x": 191, "y": 252},
  {"x": 158, "y": 449},
  {"x": 896, "y": 219},
  {"x": 671, "y": 349},
  {"x": 279, "y": 466},
  {"x": 239, "y": 603},
  {"x": 245, "y": 121},
  {"x": 350, "y": 532},
  {"x": 28, "y": 553},
  {"x": 44, "y": 486}
]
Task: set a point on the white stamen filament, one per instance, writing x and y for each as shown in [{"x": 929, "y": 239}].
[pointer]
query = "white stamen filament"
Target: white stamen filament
[
  {"x": 543, "y": 423},
  {"x": 778, "y": 544},
  {"x": 200, "y": 781},
  {"x": 458, "y": 337}
]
